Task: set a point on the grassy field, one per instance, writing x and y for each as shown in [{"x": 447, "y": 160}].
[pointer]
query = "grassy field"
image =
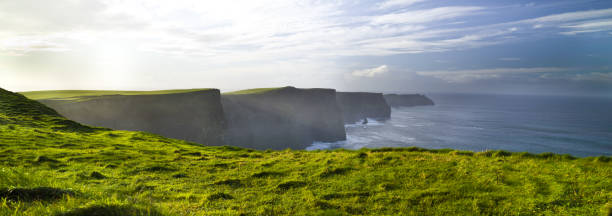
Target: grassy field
[
  {"x": 53, "y": 166},
  {"x": 77, "y": 94}
]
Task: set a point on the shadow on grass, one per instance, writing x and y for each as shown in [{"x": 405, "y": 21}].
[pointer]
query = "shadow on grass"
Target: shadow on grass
[
  {"x": 219, "y": 195},
  {"x": 111, "y": 210},
  {"x": 33, "y": 194}
]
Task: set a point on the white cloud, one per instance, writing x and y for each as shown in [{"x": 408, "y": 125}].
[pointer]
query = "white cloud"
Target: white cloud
[
  {"x": 574, "y": 16},
  {"x": 455, "y": 76},
  {"x": 217, "y": 34},
  {"x": 594, "y": 76},
  {"x": 371, "y": 72},
  {"x": 19, "y": 46},
  {"x": 425, "y": 16},
  {"x": 397, "y": 3},
  {"x": 260, "y": 30},
  {"x": 588, "y": 26}
]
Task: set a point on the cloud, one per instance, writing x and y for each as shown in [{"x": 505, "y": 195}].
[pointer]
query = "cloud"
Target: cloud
[
  {"x": 574, "y": 16},
  {"x": 397, "y": 3},
  {"x": 455, "y": 76},
  {"x": 425, "y": 16},
  {"x": 269, "y": 30},
  {"x": 220, "y": 35},
  {"x": 19, "y": 46},
  {"x": 371, "y": 72},
  {"x": 588, "y": 26},
  {"x": 594, "y": 76}
]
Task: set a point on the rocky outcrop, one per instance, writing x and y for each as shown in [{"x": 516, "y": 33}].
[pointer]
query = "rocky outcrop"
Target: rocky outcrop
[
  {"x": 356, "y": 106},
  {"x": 282, "y": 118},
  {"x": 406, "y": 100},
  {"x": 194, "y": 116}
]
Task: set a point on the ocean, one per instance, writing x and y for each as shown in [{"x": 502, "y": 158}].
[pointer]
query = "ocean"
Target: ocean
[{"x": 580, "y": 126}]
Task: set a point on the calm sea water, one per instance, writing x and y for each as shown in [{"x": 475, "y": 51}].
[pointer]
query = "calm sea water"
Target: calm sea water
[{"x": 581, "y": 126}]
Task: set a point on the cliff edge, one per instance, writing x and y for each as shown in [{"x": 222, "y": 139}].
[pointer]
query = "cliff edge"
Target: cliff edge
[
  {"x": 195, "y": 116},
  {"x": 356, "y": 106},
  {"x": 282, "y": 118}
]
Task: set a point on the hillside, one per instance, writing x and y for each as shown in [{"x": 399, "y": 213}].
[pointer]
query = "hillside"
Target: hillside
[
  {"x": 79, "y": 94},
  {"x": 193, "y": 115},
  {"x": 53, "y": 166}
]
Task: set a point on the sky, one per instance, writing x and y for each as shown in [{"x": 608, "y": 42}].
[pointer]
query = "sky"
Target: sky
[{"x": 557, "y": 47}]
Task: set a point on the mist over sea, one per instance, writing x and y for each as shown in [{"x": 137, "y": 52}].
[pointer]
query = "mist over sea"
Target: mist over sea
[{"x": 581, "y": 126}]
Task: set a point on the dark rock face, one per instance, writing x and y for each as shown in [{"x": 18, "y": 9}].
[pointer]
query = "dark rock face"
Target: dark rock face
[
  {"x": 194, "y": 116},
  {"x": 406, "y": 100},
  {"x": 283, "y": 118},
  {"x": 357, "y": 106}
]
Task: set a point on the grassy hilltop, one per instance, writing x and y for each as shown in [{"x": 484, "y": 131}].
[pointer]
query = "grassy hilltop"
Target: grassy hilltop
[
  {"x": 252, "y": 91},
  {"x": 53, "y": 166},
  {"x": 80, "y": 94}
]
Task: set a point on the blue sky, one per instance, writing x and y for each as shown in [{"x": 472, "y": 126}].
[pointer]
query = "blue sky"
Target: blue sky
[{"x": 510, "y": 47}]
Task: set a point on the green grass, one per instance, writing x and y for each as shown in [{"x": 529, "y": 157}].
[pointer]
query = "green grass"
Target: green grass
[
  {"x": 46, "y": 169},
  {"x": 252, "y": 91},
  {"x": 77, "y": 94}
]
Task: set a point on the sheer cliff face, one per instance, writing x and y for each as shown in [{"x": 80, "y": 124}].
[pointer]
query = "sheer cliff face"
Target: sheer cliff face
[
  {"x": 404, "y": 100},
  {"x": 194, "y": 116},
  {"x": 283, "y": 118},
  {"x": 357, "y": 106}
]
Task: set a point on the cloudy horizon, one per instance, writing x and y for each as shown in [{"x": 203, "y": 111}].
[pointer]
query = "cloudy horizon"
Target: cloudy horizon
[{"x": 508, "y": 47}]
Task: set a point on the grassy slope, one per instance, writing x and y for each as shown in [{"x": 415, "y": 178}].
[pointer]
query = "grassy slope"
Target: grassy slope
[
  {"x": 76, "y": 94},
  {"x": 121, "y": 172}
]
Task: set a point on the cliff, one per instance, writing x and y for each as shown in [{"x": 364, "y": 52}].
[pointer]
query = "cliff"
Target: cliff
[
  {"x": 404, "y": 100},
  {"x": 194, "y": 116},
  {"x": 282, "y": 118},
  {"x": 356, "y": 106}
]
